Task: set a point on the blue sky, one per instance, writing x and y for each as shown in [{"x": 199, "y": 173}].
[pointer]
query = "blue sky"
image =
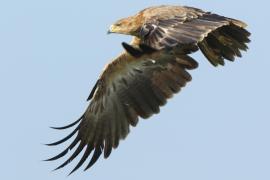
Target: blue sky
[{"x": 51, "y": 53}]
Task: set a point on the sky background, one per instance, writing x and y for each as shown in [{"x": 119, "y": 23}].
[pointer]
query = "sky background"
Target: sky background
[{"x": 51, "y": 53}]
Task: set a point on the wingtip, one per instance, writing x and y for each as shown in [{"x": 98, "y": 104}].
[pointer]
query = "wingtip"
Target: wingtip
[
  {"x": 56, "y": 128},
  {"x": 68, "y": 126},
  {"x": 63, "y": 153},
  {"x": 49, "y": 144},
  {"x": 124, "y": 43},
  {"x": 98, "y": 151},
  {"x": 45, "y": 160},
  {"x": 64, "y": 139},
  {"x": 59, "y": 167},
  {"x": 71, "y": 172},
  {"x": 92, "y": 93}
]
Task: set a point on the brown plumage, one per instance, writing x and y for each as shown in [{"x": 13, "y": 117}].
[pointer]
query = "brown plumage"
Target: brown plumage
[{"x": 151, "y": 70}]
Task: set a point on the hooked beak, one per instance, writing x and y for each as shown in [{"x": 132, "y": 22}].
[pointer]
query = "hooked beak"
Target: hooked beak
[{"x": 111, "y": 29}]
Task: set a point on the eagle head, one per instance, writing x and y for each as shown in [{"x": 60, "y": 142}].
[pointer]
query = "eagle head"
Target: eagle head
[{"x": 128, "y": 26}]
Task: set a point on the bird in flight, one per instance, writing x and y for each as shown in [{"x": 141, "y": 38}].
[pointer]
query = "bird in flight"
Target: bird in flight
[{"x": 152, "y": 68}]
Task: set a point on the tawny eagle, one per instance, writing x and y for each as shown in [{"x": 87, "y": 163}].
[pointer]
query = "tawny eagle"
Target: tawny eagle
[{"x": 150, "y": 70}]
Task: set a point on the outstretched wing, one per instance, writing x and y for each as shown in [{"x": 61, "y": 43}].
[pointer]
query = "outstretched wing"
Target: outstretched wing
[
  {"x": 172, "y": 26},
  {"x": 129, "y": 88},
  {"x": 188, "y": 28}
]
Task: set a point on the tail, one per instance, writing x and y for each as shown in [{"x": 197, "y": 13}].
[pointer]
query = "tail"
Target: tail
[{"x": 226, "y": 42}]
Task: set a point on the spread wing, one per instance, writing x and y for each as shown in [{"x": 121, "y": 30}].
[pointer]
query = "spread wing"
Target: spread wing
[
  {"x": 129, "y": 88},
  {"x": 218, "y": 37}
]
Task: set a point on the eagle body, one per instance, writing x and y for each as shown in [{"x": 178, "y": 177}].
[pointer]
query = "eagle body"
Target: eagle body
[{"x": 152, "y": 68}]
